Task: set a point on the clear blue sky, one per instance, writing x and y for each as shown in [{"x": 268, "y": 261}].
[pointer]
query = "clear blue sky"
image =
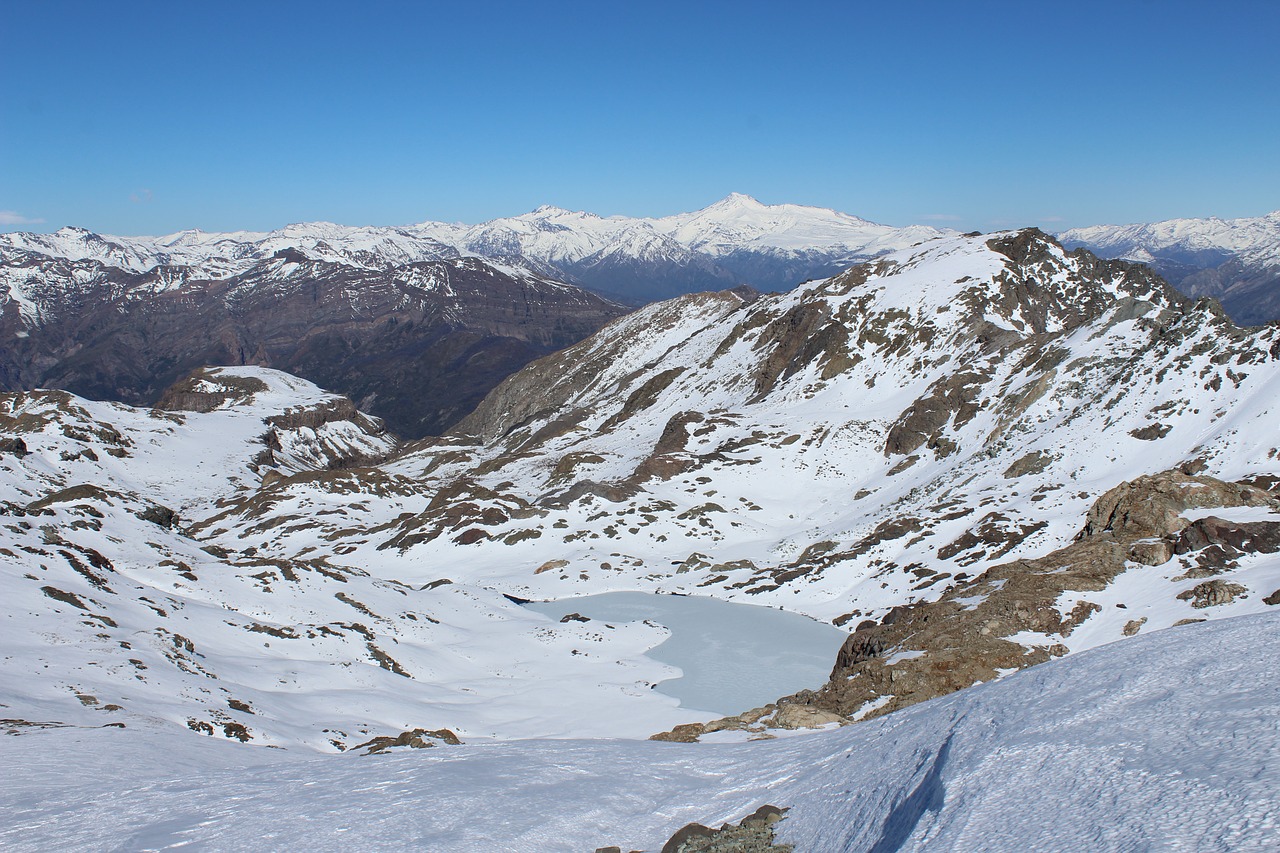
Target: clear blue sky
[{"x": 149, "y": 117}]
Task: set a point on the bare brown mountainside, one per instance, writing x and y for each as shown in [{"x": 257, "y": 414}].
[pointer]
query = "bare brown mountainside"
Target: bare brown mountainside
[{"x": 418, "y": 345}]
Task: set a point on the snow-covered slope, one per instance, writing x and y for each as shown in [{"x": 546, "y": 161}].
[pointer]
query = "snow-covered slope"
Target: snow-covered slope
[
  {"x": 114, "y": 614},
  {"x": 1167, "y": 742},
  {"x": 882, "y": 438}
]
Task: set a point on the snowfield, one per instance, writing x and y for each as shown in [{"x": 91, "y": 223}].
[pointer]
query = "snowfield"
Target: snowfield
[{"x": 1170, "y": 741}]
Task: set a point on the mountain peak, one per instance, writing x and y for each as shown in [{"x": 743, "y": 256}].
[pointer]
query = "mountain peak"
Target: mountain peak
[
  {"x": 737, "y": 200},
  {"x": 549, "y": 210}
]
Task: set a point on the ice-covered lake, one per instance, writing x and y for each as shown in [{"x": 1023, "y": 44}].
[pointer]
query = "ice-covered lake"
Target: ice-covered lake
[{"x": 733, "y": 656}]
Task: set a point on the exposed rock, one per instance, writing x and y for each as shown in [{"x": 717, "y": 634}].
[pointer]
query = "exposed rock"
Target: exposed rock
[
  {"x": 796, "y": 716},
  {"x": 1151, "y": 432},
  {"x": 668, "y": 458},
  {"x": 1032, "y": 463},
  {"x": 952, "y": 401},
  {"x": 1133, "y": 626},
  {"x": 920, "y": 651},
  {"x": 753, "y": 834},
  {"x": 14, "y": 445},
  {"x": 686, "y": 733},
  {"x": 205, "y": 391},
  {"x": 413, "y": 739},
  {"x": 161, "y": 515},
  {"x": 1213, "y": 593},
  {"x": 1151, "y": 552},
  {"x": 1257, "y": 536}
]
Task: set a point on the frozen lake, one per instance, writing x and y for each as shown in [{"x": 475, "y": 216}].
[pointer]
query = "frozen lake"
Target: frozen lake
[{"x": 733, "y": 656}]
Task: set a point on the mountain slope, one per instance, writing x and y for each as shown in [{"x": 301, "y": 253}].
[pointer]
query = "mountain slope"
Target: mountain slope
[
  {"x": 418, "y": 344},
  {"x": 117, "y": 615},
  {"x": 1236, "y": 261}
]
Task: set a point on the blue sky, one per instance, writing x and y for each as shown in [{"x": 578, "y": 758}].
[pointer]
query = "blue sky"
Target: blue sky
[{"x": 142, "y": 117}]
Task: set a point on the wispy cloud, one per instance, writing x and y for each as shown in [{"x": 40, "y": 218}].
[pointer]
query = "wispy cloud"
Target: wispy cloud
[
  {"x": 141, "y": 196},
  {"x": 941, "y": 217},
  {"x": 1052, "y": 219},
  {"x": 12, "y": 217}
]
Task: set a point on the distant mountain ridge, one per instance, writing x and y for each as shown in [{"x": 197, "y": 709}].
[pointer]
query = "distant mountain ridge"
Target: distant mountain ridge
[
  {"x": 415, "y": 323},
  {"x": 736, "y": 240},
  {"x": 1236, "y": 261}
]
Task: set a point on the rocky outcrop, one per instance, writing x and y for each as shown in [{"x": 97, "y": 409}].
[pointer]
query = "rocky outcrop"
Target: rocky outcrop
[
  {"x": 412, "y": 739},
  {"x": 790, "y": 714},
  {"x": 753, "y": 834},
  {"x": 206, "y": 391},
  {"x": 921, "y": 651}
]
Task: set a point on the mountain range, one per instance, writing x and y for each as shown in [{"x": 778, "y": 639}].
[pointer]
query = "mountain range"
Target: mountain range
[
  {"x": 974, "y": 454},
  {"x": 735, "y": 241},
  {"x": 417, "y": 323},
  {"x": 1236, "y": 261},
  {"x": 921, "y": 434}
]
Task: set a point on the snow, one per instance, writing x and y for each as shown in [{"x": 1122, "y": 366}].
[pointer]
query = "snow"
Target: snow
[
  {"x": 1235, "y": 514},
  {"x": 1164, "y": 742},
  {"x": 333, "y": 579}
]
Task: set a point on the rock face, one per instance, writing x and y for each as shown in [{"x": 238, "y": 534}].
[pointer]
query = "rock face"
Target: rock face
[
  {"x": 411, "y": 739},
  {"x": 418, "y": 345}
]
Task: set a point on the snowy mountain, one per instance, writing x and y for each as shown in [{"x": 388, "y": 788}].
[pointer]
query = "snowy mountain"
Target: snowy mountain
[
  {"x": 735, "y": 241},
  {"x": 921, "y": 435},
  {"x": 1236, "y": 261},
  {"x": 975, "y": 455},
  {"x": 416, "y": 324}
]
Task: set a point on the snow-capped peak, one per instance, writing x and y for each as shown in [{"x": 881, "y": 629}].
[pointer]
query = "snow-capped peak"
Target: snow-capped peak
[{"x": 735, "y": 200}]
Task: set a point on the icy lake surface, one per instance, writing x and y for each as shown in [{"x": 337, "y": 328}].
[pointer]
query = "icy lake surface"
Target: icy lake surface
[{"x": 733, "y": 656}]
